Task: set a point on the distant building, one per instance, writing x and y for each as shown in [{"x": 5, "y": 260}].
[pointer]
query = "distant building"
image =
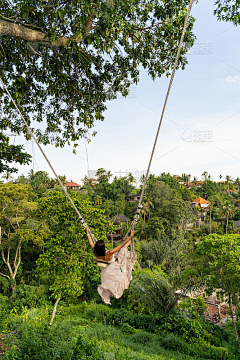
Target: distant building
[
  {"x": 181, "y": 182},
  {"x": 119, "y": 219},
  {"x": 135, "y": 197},
  {"x": 117, "y": 235},
  {"x": 94, "y": 181},
  {"x": 200, "y": 202},
  {"x": 73, "y": 186}
]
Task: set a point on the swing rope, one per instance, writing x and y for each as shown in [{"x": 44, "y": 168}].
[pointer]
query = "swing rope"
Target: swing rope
[
  {"x": 139, "y": 207},
  {"x": 45, "y": 156}
]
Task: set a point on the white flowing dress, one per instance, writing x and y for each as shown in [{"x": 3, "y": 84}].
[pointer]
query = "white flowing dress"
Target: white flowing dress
[{"x": 115, "y": 278}]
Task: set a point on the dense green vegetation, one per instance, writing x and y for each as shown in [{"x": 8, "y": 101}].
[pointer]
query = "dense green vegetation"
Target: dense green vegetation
[
  {"x": 48, "y": 273},
  {"x": 62, "y": 64}
]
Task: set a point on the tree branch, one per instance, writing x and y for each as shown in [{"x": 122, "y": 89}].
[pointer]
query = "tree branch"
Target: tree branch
[
  {"x": 16, "y": 255},
  {"x": 3, "y": 257},
  {"x": 23, "y": 33},
  {"x": 6, "y": 276},
  {"x": 19, "y": 261}
]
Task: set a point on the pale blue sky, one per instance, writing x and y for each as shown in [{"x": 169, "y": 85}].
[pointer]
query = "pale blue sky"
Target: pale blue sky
[{"x": 200, "y": 131}]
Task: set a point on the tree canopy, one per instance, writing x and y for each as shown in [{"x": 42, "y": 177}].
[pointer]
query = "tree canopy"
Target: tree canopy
[
  {"x": 228, "y": 10},
  {"x": 11, "y": 154},
  {"x": 62, "y": 61}
]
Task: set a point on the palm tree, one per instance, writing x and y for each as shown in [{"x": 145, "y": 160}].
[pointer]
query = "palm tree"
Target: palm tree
[
  {"x": 131, "y": 178},
  {"x": 145, "y": 211},
  {"x": 149, "y": 203},
  {"x": 204, "y": 177},
  {"x": 228, "y": 178},
  {"x": 109, "y": 175},
  {"x": 237, "y": 182},
  {"x": 142, "y": 179},
  {"x": 7, "y": 176},
  {"x": 195, "y": 180},
  {"x": 30, "y": 174},
  {"x": 211, "y": 200},
  {"x": 228, "y": 210}
]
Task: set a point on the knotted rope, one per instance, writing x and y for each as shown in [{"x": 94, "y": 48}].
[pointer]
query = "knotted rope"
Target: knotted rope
[
  {"x": 45, "y": 156},
  {"x": 139, "y": 206}
]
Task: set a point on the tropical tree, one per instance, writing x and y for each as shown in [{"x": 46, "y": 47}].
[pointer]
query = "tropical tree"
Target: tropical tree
[
  {"x": 149, "y": 204},
  {"x": 168, "y": 179},
  {"x": 89, "y": 186},
  {"x": 17, "y": 227},
  {"x": 7, "y": 176},
  {"x": 145, "y": 210},
  {"x": 131, "y": 178},
  {"x": 210, "y": 214},
  {"x": 154, "y": 289},
  {"x": 103, "y": 175},
  {"x": 227, "y": 210},
  {"x": 184, "y": 177},
  {"x": 205, "y": 176},
  {"x": 63, "y": 263},
  {"x": 11, "y": 154},
  {"x": 229, "y": 180},
  {"x": 98, "y": 200},
  {"x": 217, "y": 260},
  {"x": 228, "y": 11},
  {"x": 195, "y": 180},
  {"x": 68, "y": 261},
  {"x": 62, "y": 61},
  {"x": 237, "y": 182}
]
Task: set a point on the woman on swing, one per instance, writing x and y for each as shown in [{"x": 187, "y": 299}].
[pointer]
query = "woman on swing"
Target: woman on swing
[{"x": 116, "y": 276}]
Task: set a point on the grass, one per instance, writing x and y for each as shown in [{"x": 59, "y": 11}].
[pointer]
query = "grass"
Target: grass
[{"x": 32, "y": 338}]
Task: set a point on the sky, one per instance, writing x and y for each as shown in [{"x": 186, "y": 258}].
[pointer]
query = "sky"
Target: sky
[{"x": 200, "y": 130}]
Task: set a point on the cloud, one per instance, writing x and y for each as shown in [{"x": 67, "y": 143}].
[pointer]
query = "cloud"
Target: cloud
[{"x": 233, "y": 79}]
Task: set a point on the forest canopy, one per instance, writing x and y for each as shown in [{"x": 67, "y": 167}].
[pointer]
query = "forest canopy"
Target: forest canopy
[{"x": 62, "y": 61}]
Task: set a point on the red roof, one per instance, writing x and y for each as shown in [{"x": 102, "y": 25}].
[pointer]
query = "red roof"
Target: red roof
[
  {"x": 72, "y": 184},
  {"x": 201, "y": 201},
  {"x": 93, "y": 179}
]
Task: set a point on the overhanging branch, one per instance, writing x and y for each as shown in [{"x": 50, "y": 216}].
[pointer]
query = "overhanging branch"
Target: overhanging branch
[{"x": 23, "y": 33}]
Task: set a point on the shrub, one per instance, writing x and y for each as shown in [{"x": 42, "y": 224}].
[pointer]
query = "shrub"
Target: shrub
[
  {"x": 143, "y": 338},
  {"x": 96, "y": 311},
  {"x": 127, "y": 329},
  {"x": 119, "y": 317},
  {"x": 86, "y": 349},
  {"x": 28, "y": 296},
  {"x": 175, "y": 343},
  {"x": 3, "y": 308},
  {"x": 36, "y": 340}
]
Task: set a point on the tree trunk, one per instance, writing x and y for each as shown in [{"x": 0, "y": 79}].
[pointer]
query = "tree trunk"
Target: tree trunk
[
  {"x": 232, "y": 315},
  {"x": 13, "y": 284},
  {"x": 55, "y": 307},
  {"x": 227, "y": 225},
  {"x": 210, "y": 230}
]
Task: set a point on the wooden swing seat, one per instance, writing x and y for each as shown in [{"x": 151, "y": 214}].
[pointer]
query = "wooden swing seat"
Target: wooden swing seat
[{"x": 101, "y": 263}]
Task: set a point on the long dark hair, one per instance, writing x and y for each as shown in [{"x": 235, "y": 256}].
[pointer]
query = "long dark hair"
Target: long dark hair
[{"x": 99, "y": 248}]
